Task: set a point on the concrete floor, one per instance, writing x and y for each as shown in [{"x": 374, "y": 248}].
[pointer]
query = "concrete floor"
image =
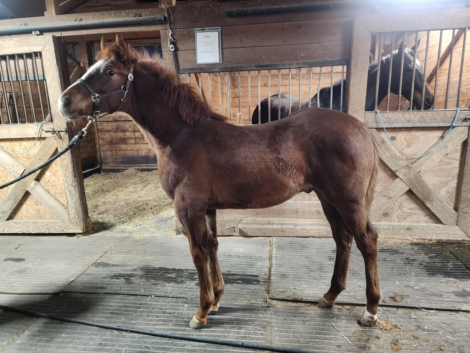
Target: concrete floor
[{"x": 133, "y": 279}]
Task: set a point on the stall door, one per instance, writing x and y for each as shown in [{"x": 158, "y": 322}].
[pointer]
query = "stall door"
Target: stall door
[{"x": 51, "y": 200}]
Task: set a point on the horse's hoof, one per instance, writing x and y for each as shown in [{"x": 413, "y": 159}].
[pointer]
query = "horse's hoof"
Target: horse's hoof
[
  {"x": 368, "y": 319},
  {"x": 213, "y": 310},
  {"x": 196, "y": 324},
  {"x": 323, "y": 303}
]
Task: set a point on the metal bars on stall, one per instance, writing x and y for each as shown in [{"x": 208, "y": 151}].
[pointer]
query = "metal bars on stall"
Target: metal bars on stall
[
  {"x": 429, "y": 77},
  {"x": 223, "y": 91},
  {"x": 23, "y": 89}
]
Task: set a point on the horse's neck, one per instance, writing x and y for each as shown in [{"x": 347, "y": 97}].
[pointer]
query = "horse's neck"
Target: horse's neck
[
  {"x": 372, "y": 85},
  {"x": 159, "y": 123}
]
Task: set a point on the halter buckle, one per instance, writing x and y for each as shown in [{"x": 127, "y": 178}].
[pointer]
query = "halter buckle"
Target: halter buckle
[
  {"x": 130, "y": 77},
  {"x": 95, "y": 97}
]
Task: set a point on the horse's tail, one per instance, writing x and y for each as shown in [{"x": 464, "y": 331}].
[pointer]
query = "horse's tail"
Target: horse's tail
[{"x": 373, "y": 177}]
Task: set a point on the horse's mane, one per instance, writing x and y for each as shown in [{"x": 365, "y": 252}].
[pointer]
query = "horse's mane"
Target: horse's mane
[{"x": 190, "y": 105}]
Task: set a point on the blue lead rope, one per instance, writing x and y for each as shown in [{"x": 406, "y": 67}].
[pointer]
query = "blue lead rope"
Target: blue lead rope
[{"x": 433, "y": 148}]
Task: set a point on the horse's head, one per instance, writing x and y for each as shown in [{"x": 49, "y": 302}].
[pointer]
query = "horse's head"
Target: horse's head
[
  {"x": 420, "y": 80},
  {"x": 106, "y": 81}
]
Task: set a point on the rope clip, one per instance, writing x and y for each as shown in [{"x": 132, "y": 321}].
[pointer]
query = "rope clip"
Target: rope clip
[{"x": 91, "y": 119}]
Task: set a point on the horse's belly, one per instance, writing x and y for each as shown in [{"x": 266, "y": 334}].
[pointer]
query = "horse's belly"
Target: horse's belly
[{"x": 256, "y": 195}]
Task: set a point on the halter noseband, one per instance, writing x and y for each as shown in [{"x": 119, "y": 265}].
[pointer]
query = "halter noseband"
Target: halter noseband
[{"x": 95, "y": 97}]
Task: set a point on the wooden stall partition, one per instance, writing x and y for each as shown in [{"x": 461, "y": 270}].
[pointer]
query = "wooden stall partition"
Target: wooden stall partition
[
  {"x": 51, "y": 200},
  {"x": 425, "y": 194}
]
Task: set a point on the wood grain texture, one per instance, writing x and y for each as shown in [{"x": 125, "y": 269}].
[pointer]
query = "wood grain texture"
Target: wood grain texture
[
  {"x": 397, "y": 187},
  {"x": 357, "y": 74},
  {"x": 250, "y": 58},
  {"x": 409, "y": 22},
  {"x": 17, "y": 193},
  {"x": 271, "y": 34},
  {"x": 464, "y": 202},
  {"x": 18, "y": 131},
  {"x": 35, "y": 227},
  {"x": 414, "y": 181},
  {"x": 16, "y": 168},
  {"x": 58, "y": 79},
  {"x": 402, "y": 119},
  {"x": 278, "y": 227}
]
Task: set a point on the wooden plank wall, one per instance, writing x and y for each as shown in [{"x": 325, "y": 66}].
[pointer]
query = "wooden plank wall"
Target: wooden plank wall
[
  {"x": 30, "y": 207},
  {"x": 249, "y": 45}
]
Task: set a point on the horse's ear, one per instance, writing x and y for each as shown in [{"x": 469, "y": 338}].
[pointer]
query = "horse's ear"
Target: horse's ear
[
  {"x": 415, "y": 47},
  {"x": 401, "y": 48},
  {"x": 124, "y": 50},
  {"x": 103, "y": 44}
]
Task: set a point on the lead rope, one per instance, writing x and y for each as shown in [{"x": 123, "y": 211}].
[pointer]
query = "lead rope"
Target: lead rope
[{"x": 429, "y": 151}]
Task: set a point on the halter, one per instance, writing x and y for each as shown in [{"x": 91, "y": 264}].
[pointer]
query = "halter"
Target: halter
[{"x": 95, "y": 97}]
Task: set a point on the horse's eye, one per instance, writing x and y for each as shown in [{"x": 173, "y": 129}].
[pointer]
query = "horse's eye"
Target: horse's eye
[{"x": 110, "y": 72}]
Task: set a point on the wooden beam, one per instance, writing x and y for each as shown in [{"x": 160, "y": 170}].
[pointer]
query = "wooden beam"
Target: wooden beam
[
  {"x": 444, "y": 56},
  {"x": 397, "y": 187},
  {"x": 37, "y": 227},
  {"x": 52, "y": 8},
  {"x": 168, "y": 3},
  {"x": 416, "y": 118},
  {"x": 356, "y": 83},
  {"x": 13, "y": 199},
  {"x": 19, "y": 131},
  {"x": 68, "y": 5},
  {"x": 464, "y": 201},
  {"x": 279, "y": 227},
  {"x": 415, "y": 181},
  {"x": 58, "y": 80},
  {"x": 408, "y": 21}
]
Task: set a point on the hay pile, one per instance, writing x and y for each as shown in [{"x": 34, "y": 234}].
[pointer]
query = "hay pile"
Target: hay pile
[{"x": 129, "y": 199}]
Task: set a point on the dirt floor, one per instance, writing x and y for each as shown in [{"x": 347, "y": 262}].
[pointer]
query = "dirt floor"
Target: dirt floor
[{"x": 126, "y": 199}]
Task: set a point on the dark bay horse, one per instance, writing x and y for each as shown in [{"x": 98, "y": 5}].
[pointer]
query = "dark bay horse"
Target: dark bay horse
[
  {"x": 282, "y": 102},
  {"x": 205, "y": 164}
]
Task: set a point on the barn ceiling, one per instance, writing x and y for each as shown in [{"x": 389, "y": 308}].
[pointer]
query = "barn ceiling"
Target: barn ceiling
[{"x": 21, "y": 8}]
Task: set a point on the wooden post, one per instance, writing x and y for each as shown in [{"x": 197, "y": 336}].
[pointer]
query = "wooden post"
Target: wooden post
[
  {"x": 463, "y": 220},
  {"x": 52, "y": 8},
  {"x": 356, "y": 82},
  {"x": 168, "y": 61},
  {"x": 58, "y": 79},
  {"x": 60, "y": 7}
]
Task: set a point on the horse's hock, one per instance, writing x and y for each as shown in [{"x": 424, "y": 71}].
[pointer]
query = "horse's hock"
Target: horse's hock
[{"x": 344, "y": 60}]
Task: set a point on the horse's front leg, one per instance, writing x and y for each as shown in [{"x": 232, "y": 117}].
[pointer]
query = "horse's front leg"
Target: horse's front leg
[
  {"x": 194, "y": 223},
  {"x": 216, "y": 274}
]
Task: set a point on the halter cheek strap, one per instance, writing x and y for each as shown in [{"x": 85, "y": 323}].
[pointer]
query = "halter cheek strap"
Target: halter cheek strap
[{"x": 95, "y": 97}]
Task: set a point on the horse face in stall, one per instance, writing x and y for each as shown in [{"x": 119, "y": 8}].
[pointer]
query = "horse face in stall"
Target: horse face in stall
[
  {"x": 407, "y": 82},
  {"x": 104, "y": 76}
]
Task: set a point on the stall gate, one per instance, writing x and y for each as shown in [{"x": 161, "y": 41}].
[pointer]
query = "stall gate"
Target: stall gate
[{"x": 31, "y": 127}]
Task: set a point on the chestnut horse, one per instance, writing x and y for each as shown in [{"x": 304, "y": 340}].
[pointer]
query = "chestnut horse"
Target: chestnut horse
[{"x": 205, "y": 164}]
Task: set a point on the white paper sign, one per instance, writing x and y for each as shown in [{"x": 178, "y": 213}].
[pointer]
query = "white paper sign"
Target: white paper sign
[{"x": 208, "y": 47}]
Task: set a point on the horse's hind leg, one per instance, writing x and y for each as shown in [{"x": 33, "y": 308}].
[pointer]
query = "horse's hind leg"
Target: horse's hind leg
[
  {"x": 216, "y": 274},
  {"x": 356, "y": 219},
  {"x": 343, "y": 239},
  {"x": 193, "y": 219}
]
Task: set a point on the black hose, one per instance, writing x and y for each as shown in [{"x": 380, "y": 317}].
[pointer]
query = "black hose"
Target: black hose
[
  {"x": 76, "y": 139},
  {"x": 246, "y": 345}
]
